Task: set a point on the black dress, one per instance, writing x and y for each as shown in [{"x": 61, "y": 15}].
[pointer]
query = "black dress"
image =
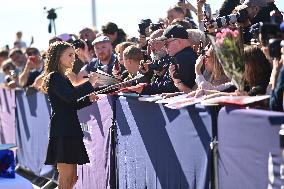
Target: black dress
[{"x": 65, "y": 133}]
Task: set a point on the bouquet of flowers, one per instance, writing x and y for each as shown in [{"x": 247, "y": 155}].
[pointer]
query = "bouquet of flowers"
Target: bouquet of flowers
[{"x": 228, "y": 47}]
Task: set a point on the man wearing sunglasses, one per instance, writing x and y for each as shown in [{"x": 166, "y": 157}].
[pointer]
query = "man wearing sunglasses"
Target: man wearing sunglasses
[
  {"x": 176, "y": 43},
  {"x": 33, "y": 67}
]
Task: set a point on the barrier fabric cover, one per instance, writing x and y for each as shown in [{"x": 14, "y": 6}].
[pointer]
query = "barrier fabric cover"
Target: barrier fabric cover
[
  {"x": 162, "y": 148},
  {"x": 249, "y": 152},
  {"x": 7, "y": 116},
  {"x": 96, "y": 121},
  {"x": 33, "y": 114}
]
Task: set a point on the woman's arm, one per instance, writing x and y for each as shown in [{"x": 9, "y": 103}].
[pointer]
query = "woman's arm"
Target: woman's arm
[{"x": 59, "y": 86}]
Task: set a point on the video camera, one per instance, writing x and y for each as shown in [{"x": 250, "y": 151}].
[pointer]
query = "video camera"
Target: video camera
[
  {"x": 144, "y": 24},
  {"x": 228, "y": 20}
]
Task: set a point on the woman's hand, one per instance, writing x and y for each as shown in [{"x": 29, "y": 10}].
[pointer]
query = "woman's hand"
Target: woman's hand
[
  {"x": 191, "y": 94},
  {"x": 199, "y": 93},
  {"x": 240, "y": 93},
  {"x": 94, "y": 97},
  {"x": 198, "y": 64},
  {"x": 38, "y": 82},
  {"x": 93, "y": 78}
]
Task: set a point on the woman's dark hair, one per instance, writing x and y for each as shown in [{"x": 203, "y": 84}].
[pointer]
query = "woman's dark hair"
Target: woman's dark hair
[
  {"x": 257, "y": 67},
  {"x": 52, "y": 61},
  {"x": 217, "y": 71}
]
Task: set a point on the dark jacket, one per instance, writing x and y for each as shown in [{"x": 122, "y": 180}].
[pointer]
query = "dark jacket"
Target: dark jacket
[
  {"x": 96, "y": 64},
  {"x": 186, "y": 59},
  {"x": 276, "y": 97},
  {"x": 63, "y": 99}
]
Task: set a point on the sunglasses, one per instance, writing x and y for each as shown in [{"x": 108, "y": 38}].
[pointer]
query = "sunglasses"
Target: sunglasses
[{"x": 31, "y": 53}]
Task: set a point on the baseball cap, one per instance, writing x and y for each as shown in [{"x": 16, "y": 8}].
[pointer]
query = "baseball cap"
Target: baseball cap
[
  {"x": 250, "y": 3},
  {"x": 101, "y": 39},
  {"x": 174, "y": 31}
]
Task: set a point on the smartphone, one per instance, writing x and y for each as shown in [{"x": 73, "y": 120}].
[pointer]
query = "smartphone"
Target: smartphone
[
  {"x": 33, "y": 59},
  {"x": 116, "y": 64},
  {"x": 201, "y": 48},
  {"x": 207, "y": 11}
]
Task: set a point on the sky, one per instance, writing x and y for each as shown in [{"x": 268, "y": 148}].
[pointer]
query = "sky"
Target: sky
[{"x": 30, "y": 17}]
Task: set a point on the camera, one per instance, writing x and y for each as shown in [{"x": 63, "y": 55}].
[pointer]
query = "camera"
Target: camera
[
  {"x": 78, "y": 43},
  {"x": 144, "y": 24},
  {"x": 173, "y": 61},
  {"x": 220, "y": 22},
  {"x": 159, "y": 65},
  {"x": 154, "y": 27},
  {"x": 10, "y": 77}
]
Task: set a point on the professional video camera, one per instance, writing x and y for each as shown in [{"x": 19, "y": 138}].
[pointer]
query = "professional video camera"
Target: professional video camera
[
  {"x": 228, "y": 20},
  {"x": 144, "y": 24}
]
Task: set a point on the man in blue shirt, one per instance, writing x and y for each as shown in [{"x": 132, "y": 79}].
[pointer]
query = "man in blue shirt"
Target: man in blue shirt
[{"x": 104, "y": 61}]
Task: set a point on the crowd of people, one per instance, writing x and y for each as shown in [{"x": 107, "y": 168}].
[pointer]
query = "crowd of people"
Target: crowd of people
[{"x": 174, "y": 54}]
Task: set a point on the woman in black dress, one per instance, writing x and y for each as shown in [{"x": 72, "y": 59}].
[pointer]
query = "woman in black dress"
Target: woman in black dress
[{"x": 66, "y": 148}]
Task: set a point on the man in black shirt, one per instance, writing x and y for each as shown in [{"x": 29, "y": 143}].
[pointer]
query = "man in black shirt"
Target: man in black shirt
[{"x": 177, "y": 46}]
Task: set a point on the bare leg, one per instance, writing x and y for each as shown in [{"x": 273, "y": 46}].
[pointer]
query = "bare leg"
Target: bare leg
[
  {"x": 66, "y": 175},
  {"x": 75, "y": 177}
]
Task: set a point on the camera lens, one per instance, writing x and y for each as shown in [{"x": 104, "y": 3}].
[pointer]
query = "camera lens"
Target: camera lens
[{"x": 78, "y": 43}]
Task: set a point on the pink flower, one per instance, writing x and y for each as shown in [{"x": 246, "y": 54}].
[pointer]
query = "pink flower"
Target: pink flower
[
  {"x": 218, "y": 35},
  {"x": 220, "y": 42},
  {"x": 224, "y": 35},
  {"x": 236, "y": 33},
  {"x": 223, "y": 30},
  {"x": 228, "y": 30}
]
